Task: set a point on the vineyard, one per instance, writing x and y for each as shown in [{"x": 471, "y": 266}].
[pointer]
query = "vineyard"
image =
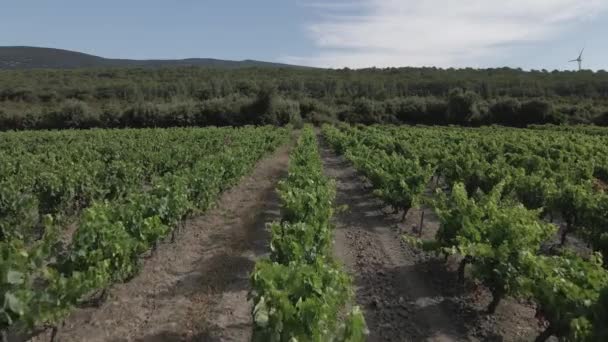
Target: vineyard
[
  {"x": 274, "y": 239},
  {"x": 79, "y": 208},
  {"x": 300, "y": 292},
  {"x": 524, "y": 210}
]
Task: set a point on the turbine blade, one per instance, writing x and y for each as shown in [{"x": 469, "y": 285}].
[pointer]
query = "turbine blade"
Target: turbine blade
[{"x": 581, "y": 54}]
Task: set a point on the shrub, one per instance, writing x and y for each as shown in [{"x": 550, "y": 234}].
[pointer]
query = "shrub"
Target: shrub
[
  {"x": 178, "y": 114},
  {"x": 364, "y": 111},
  {"x": 225, "y": 111},
  {"x": 505, "y": 111},
  {"x": 7, "y": 121},
  {"x": 536, "y": 111},
  {"x": 73, "y": 114},
  {"x": 409, "y": 109},
  {"x": 310, "y": 107},
  {"x": 142, "y": 115},
  {"x": 271, "y": 109},
  {"x": 111, "y": 115},
  {"x": 601, "y": 119},
  {"x": 464, "y": 107},
  {"x": 436, "y": 111}
]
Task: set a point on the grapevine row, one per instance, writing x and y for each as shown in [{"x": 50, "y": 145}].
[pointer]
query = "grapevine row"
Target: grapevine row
[
  {"x": 299, "y": 292},
  {"x": 482, "y": 217},
  {"x": 40, "y": 284},
  {"x": 564, "y": 174},
  {"x": 62, "y": 172}
]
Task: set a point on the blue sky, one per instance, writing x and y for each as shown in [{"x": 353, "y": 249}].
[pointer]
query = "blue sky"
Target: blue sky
[{"x": 358, "y": 33}]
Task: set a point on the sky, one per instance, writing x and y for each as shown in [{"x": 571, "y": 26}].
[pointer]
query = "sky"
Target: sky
[{"x": 530, "y": 34}]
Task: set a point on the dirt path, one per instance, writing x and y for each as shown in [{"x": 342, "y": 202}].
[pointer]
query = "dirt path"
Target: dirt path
[
  {"x": 398, "y": 301},
  {"x": 196, "y": 288}
]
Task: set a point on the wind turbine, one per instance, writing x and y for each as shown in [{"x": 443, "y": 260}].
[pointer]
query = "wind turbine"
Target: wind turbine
[{"x": 579, "y": 60}]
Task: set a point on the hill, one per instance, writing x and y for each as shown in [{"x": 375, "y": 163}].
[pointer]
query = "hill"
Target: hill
[{"x": 25, "y": 57}]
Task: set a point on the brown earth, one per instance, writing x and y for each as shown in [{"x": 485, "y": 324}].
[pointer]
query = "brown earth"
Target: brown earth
[
  {"x": 407, "y": 294},
  {"x": 194, "y": 289}
]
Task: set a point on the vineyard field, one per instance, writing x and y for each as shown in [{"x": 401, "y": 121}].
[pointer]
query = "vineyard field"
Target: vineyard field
[
  {"x": 524, "y": 211},
  {"x": 340, "y": 233},
  {"x": 123, "y": 190}
]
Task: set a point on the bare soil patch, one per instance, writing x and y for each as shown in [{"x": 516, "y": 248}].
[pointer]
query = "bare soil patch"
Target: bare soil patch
[{"x": 196, "y": 288}]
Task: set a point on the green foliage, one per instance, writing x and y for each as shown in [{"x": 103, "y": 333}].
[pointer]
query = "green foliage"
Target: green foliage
[
  {"x": 102, "y": 243},
  {"x": 504, "y": 111},
  {"x": 536, "y": 111},
  {"x": 74, "y": 114},
  {"x": 593, "y": 221},
  {"x": 299, "y": 293},
  {"x": 499, "y": 184},
  {"x": 299, "y": 301},
  {"x": 494, "y": 234},
  {"x": 567, "y": 290},
  {"x": 33, "y": 292},
  {"x": 299, "y": 242},
  {"x": 131, "y": 189},
  {"x": 464, "y": 107},
  {"x": 306, "y": 193},
  {"x": 169, "y": 97},
  {"x": 597, "y": 318},
  {"x": 410, "y": 109},
  {"x": 185, "y": 96}
]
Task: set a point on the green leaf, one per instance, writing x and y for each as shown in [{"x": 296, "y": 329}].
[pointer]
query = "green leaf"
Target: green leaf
[
  {"x": 14, "y": 277},
  {"x": 14, "y": 303},
  {"x": 260, "y": 313}
]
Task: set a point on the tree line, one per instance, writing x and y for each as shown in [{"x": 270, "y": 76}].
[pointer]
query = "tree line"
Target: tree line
[{"x": 193, "y": 96}]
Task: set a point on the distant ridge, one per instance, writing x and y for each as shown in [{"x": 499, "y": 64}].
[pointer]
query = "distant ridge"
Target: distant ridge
[{"x": 27, "y": 57}]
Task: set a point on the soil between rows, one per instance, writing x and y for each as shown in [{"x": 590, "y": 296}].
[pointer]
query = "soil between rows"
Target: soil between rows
[{"x": 196, "y": 288}]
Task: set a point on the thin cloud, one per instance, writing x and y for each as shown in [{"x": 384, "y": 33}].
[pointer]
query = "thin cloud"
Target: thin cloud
[
  {"x": 434, "y": 32},
  {"x": 344, "y": 5}
]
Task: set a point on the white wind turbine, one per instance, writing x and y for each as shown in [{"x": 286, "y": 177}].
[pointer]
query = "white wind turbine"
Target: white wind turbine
[{"x": 579, "y": 60}]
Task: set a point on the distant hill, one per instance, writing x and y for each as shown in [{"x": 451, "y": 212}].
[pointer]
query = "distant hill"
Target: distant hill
[{"x": 25, "y": 57}]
